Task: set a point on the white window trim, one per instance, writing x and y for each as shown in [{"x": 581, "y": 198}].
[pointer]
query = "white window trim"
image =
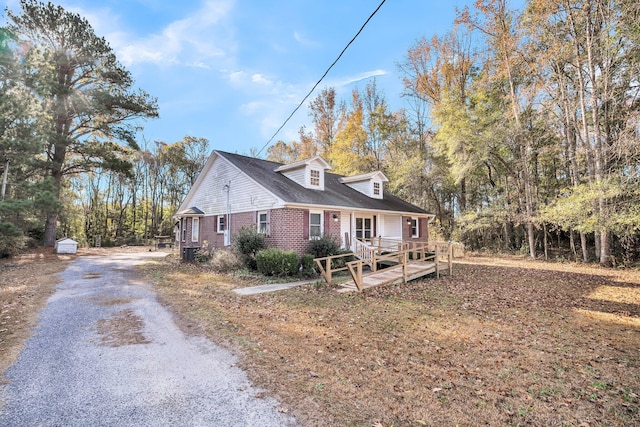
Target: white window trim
[
  {"x": 195, "y": 229},
  {"x": 266, "y": 223},
  {"x": 373, "y": 189},
  {"x": 183, "y": 229},
  {"x": 220, "y": 230},
  {"x": 311, "y": 184},
  {"x": 321, "y": 213},
  {"x": 417, "y": 233}
]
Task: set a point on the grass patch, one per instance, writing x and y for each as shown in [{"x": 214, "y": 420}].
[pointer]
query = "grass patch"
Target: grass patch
[{"x": 502, "y": 342}]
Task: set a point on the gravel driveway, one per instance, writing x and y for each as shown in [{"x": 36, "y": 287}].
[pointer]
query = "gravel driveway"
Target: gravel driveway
[{"x": 106, "y": 353}]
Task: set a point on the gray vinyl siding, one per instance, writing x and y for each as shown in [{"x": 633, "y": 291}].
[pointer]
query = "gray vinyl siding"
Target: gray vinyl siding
[
  {"x": 363, "y": 186},
  {"x": 296, "y": 175}
]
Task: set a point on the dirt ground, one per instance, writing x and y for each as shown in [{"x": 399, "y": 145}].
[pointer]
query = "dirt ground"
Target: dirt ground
[{"x": 503, "y": 342}]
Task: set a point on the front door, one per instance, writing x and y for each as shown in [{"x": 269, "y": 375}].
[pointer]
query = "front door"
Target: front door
[{"x": 364, "y": 228}]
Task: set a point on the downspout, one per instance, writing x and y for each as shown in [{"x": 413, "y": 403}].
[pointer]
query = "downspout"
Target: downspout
[{"x": 227, "y": 187}]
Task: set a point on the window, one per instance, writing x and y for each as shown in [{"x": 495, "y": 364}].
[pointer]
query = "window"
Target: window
[
  {"x": 415, "y": 230},
  {"x": 195, "y": 229},
  {"x": 315, "y": 177},
  {"x": 221, "y": 223},
  {"x": 262, "y": 222},
  {"x": 376, "y": 188},
  {"x": 315, "y": 225},
  {"x": 184, "y": 229}
]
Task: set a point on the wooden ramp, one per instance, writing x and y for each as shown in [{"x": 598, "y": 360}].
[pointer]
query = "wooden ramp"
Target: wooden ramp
[
  {"x": 412, "y": 260},
  {"x": 390, "y": 276}
]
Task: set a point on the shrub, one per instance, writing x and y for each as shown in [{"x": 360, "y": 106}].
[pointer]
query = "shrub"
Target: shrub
[
  {"x": 248, "y": 242},
  {"x": 325, "y": 246},
  {"x": 201, "y": 256},
  {"x": 308, "y": 266},
  {"x": 11, "y": 240},
  {"x": 276, "y": 262},
  {"x": 224, "y": 261},
  {"x": 341, "y": 262}
]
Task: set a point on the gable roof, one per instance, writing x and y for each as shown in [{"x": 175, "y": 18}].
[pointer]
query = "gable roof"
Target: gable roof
[
  {"x": 335, "y": 192},
  {"x": 364, "y": 177},
  {"x": 302, "y": 163}
]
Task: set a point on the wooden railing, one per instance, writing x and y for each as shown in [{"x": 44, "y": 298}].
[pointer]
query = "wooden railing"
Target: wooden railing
[
  {"x": 377, "y": 250},
  {"x": 327, "y": 269},
  {"x": 403, "y": 254},
  {"x": 362, "y": 250}
]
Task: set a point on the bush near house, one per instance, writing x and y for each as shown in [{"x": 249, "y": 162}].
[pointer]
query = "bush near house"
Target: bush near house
[
  {"x": 277, "y": 262},
  {"x": 248, "y": 242},
  {"x": 325, "y": 246},
  {"x": 308, "y": 266},
  {"x": 225, "y": 261}
]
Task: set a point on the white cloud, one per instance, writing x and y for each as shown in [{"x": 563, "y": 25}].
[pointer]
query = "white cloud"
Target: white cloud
[
  {"x": 237, "y": 78},
  {"x": 345, "y": 81},
  {"x": 255, "y": 83},
  {"x": 200, "y": 40},
  {"x": 261, "y": 80},
  {"x": 303, "y": 41}
]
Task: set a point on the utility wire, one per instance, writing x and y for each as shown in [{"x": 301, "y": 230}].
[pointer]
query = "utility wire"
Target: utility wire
[
  {"x": 321, "y": 78},
  {"x": 314, "y": 86}
]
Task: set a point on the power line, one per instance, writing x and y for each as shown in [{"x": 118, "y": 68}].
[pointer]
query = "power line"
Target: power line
[
  {"x": 314, "y": 86},
  {"x": 321, "y": 78}
]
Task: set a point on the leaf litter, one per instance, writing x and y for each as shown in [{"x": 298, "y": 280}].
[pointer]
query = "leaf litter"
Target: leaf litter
[{"x": 504, "y": 341}]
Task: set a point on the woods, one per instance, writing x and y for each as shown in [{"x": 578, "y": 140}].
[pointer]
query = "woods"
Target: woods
[
  {"x": 523, "y": 129},
  {"x": 520, "y": 132}
]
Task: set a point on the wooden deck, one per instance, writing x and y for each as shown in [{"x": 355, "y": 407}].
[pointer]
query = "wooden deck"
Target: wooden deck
[{"x": 390, "y": 276}]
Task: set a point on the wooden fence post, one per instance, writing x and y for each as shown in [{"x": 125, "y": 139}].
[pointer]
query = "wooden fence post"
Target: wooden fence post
[
  {"x": 450, "y": 259},
  {"x": 404, "y": 267},
  {"x": 374, "y": 263}
]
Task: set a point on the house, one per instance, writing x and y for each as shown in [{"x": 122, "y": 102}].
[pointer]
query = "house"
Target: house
[{"x": 292, "y": 204}]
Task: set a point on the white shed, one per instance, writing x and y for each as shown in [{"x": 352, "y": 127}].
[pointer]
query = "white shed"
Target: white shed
[{"x": 66, "y": 246}]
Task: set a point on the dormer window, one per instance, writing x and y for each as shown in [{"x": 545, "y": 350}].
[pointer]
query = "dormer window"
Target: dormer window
[
  {"x": 370, "y": 184},
  {"x": 314, "y": 177},
  {"x": 308, "y": 173}
]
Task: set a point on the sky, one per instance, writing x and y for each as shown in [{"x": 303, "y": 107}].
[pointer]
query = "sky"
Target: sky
[{"x": 232, "y": 71}]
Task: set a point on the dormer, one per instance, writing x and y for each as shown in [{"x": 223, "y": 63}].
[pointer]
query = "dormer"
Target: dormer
[
  {"x": 308, "y": 173},
  {"x": 370, "y": 184}
]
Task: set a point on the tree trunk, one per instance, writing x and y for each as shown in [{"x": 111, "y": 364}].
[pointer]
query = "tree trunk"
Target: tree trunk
[
  {"x": 605, "y": 249},
  {"x": 545, "y": 242},
  {"x": 50, "y": 228},
  {"x": 583, "y": 246}
]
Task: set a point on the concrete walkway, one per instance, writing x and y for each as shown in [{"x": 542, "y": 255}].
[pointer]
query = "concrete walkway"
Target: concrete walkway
[{"x": 272, "y": 287}]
